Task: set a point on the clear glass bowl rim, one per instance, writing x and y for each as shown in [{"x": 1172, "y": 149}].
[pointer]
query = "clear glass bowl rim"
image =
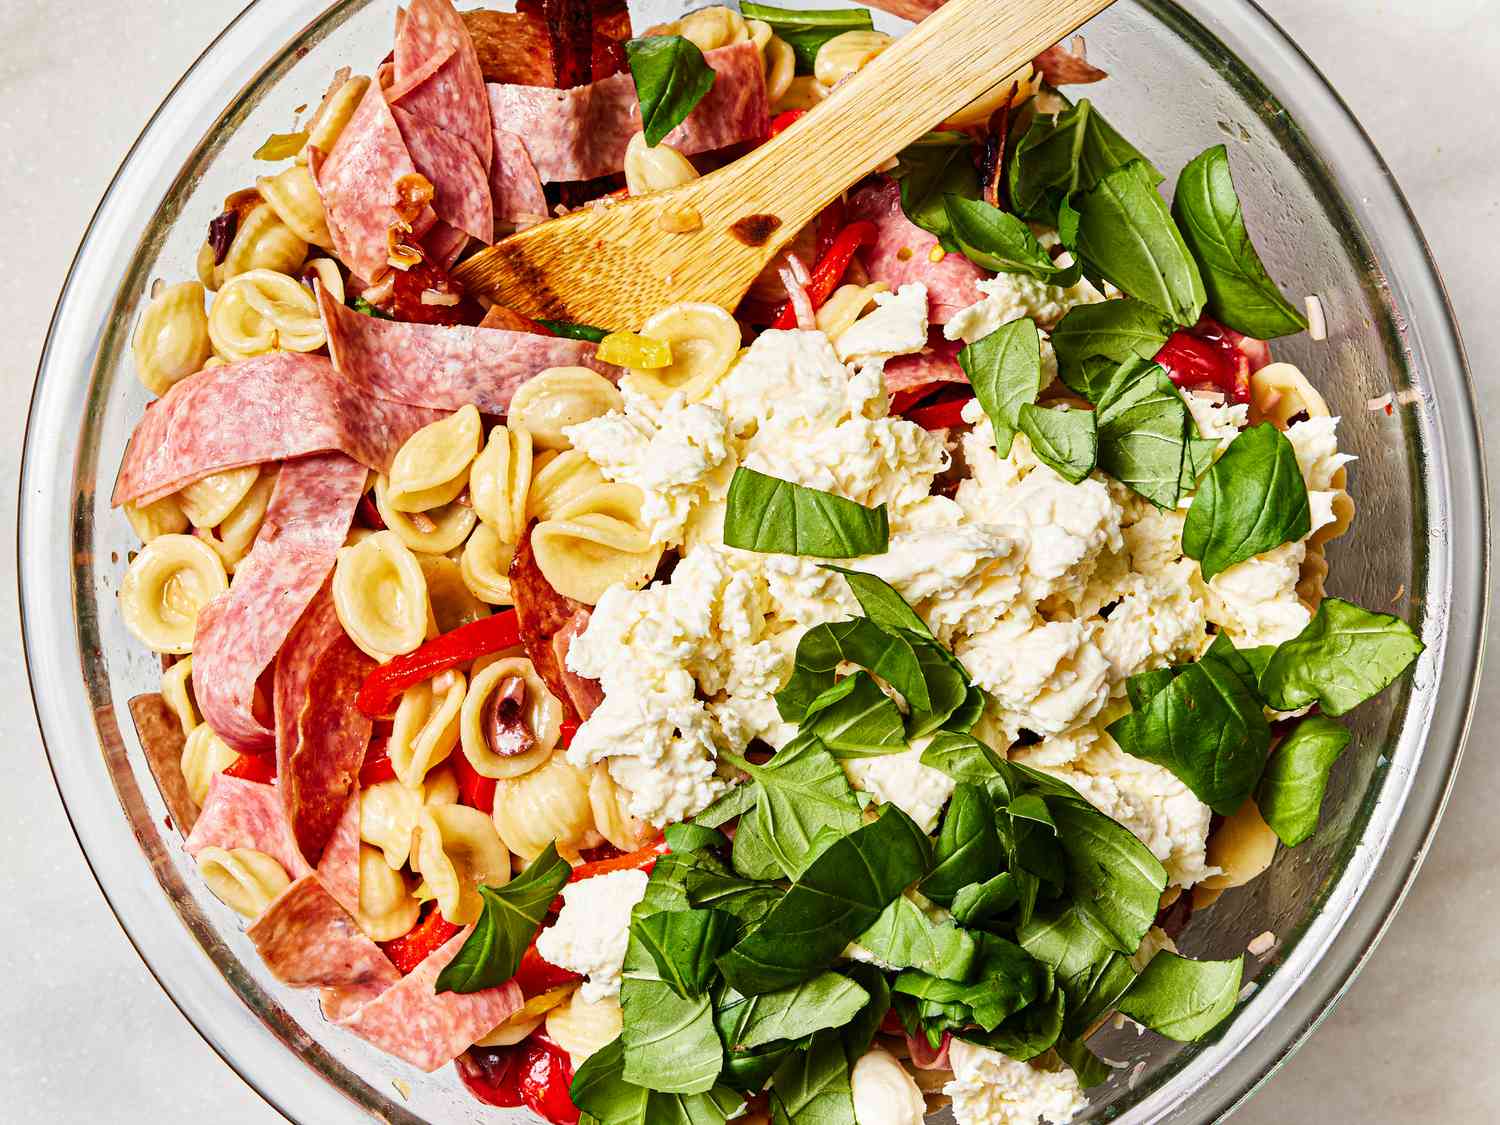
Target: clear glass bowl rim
[{"x": 1300, "y": 995}]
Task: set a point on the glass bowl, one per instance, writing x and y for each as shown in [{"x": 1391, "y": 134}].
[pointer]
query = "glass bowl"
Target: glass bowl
[{"x": 1329, "y": 221}]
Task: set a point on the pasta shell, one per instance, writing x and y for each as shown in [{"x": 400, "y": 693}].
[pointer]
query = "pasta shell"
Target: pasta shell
[
  {"x": 485, "y": 564},
  {"x": 203, "y": 755},
  {"x": 160, "y": 517},
  {"x": 458, "y": 851},
  {"x": 260, "y": 311},
  {"x": 432, "y": 466},
  {"x": 1243, "y": 846},
  {"x": 333, "y": 114},
  {"x": 294, "y": 197},
  {"x": 434, "y": 532},
  {"x": 848, "y": 304},
  {"x": 527, "y": 1018},
  {"x": 582, "y": 1028},
  {"x": 453, "y": 604},
  {"x": 262, "y": 242},
  {"x": 659, "y": 167},
  {"x": 845, "y": 54},
  {"x": 380, "y": 596},
  {"x": 610, "y": 803},
  {"x": 780, "y": 65},
  {"x": 426, "y": 726},
  {"x": 551, "y": 803},
  {"x": 705, "y": 341},
  {"x": 177, "y": 690},
  {"x": 388, "y": 812},
  {"x": 596, "y": 542},
  {"x": 236, "y": 533},
  {"x": 172, "y": 340},
  {"x": 558, "y": 397},
  {"x": 208, "y": 502},
  {"x": 560, "y": 481},
  {"x": 543, "y": 717},
  {"x": 386, "y": 906},
  {"x": 242, "y": 878},
  {"x": 166, "y": 584},
  {"x": 500, "y": 480}
]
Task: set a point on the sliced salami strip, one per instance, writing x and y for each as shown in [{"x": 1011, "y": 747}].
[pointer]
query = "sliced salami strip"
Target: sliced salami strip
[
  {"x": 514, "y": 184},
  {"x": 240, "y": 631},
  {"x": 903, "y": 253},
  {"x": 913, "y": 10},
  {"x": 1062, "y": 66},
  {"x": 444, "y": 366},
  {"x": 341, "y": 1001},
  {"x": 581, "y": 133},
  {"x": 461, "y": 186},
  {"x": 338, "y": 869},
  {"x": 513, "y": 47},
  {"x": 160, "y": 732},
  {"x": 266, "y": 408},
  {"x": 438, "y": 78},
  {"x": 936, "y": 363},
  {"x": 429, "y": 1029},
  {"x": 443, "y": 244},
  {"x": 246, "y": 814},
  {"x": 309, "y": 941},
  {"x": 320, "y": 735},
  {"x": 359, "y": 183},
  {"x": 583, "y": 693},
  {"x": 543, "y": 616}
]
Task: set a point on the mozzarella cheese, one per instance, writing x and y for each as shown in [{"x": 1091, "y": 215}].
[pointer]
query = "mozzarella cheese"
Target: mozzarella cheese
[
  {"x": 884, "y": 1093},
  {"x": 1158, "y": 621},
  {"x": 959, "y": 578},
  {"x": 1042, "y": 676},
  {"x": 1217, "y": 418},
  {"x": 989, "y": 1088},
  {"x": 902, "y": 780},
  {"x": 1009, "y": 296},
  {"x": 592, "y": 930},
  {"x": 897, "y": 326}
]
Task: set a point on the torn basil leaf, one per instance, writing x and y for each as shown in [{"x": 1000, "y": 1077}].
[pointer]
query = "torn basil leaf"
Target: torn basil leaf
[
  {"x": 997, "y": 240},
  {"x": 1092, "y": 341},
  {"x": 1004, "y": 979},
  {"x": 926, "y": 174},
  {"x": 684, "y": 944},
  {"x": 968, "y": 846},
  {"x": 1112, "y": 875},
  {"x": 904, "y": 937},
  {"x": 1142, "y": 425},
  {"x": 803, "y": 790},
  {"x": 1291, "y": 792},
  {"x": 1005, "y": 370},
  {"x": 812, "y": 1086},
  {"x": 1059, "y": 154},
  {"x": 1091, "y": 970},
  {"x": 671, "y": 77},
  {"x": 1345, "y": 656},
  {"x": 601, "y": 1092},
  {"x": 1182, "y": 999},
  {"x": 1252, "y": 500},
  {"x": 774, "y": 516},
  {"x": 806, "y": 31},
  {"x": 855, "y": 719},
  {"x": 512, "y": 915},
  {"x": 1064, "y": 440},
  {"x": 828, "y": 1000}
]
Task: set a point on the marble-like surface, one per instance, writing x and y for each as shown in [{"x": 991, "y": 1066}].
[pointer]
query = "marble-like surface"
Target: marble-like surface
[{"x": 86, "y": 1035}]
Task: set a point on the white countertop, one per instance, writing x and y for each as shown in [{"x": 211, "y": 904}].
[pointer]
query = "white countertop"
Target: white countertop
[{"x": 87, "y": 1035}]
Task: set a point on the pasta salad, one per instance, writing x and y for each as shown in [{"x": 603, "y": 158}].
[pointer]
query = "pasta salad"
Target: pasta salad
[{"x": 820, "y": 711}]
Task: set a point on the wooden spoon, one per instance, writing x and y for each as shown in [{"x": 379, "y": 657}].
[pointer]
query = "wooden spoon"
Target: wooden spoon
[{"x": 616, "y": 264}]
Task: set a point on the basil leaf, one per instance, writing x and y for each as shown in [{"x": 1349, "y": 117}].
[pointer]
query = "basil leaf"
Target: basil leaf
[
  {"x": 692, "y": 838},
  {"x": 671, "y": 77},
  {"x": 996, "y": 240},
  {"x": 881, "y": 602},
  {"x": 1142, "y": 426},
  {"x": 1182, "y": 999},
  {"x": 731, "y": 803},
  {"x": 1028, "y": 1033},
  {"x": 982, "y": 903},
  {"x": 1059, "y": 154},
  {"x": 1241, "y": 293},
  {"x": 968, "y": 846},
  {"x": 1127, "y": 235},
  {"x": 827, "y": 1000},
  {"x": 753, "y": 856},
  {"x": 684, "y": 944},
  {"x": 929, "y": 172},
  {"x": 1197, "y": 459},
  {"x": 1207, "y": 726},
  {"x": 812, "y": 1087},
  {"x": 904, "y": 937},
  {"x": 806, "y": 31},
  {"x": 774, "y": 516},
  {"x": 1005, "y": 370},
  {"x": 512, "y": 915},
  {"x": 856, "y": 641},
  {"x": 1090, "y": 970},
  {"x": 803, "y": 791},
  {"x": 1142, "y": 687},
  {"x": 1253, "y": 500},
  {"x": 1344, "y": 656},
  {"x": 362, "y": 306},
  {"x": 1005, "y": 979},
  {"x": 710, "y": 885},
  {"x": 600, "y": 1090},
  {"x": 669, "y": 1040},
  {"x": 859, "y": 1033},
  {"x": 571, "y": 331},
  {"x": 1112, "y": 875},
  {"x": 1091, "y": 341},
  {"x": 1064, "y": 440},
  {"x": 964, "y": 758},
  {"x": 1291, "y": 792},
  {"x": 839, "y": 896},
  {"x": 1089, "y": 1068},
  {"x": 855, "y": 719}
]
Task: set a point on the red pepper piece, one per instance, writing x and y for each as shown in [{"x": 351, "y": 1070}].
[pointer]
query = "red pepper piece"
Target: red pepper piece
[
  {"x": 377, "y": 766},
  {"x": 940, "y": 415},
  {"x": 429, "y": 277},
  {"x": 783, "y": 119},
  {"x": 566, "y": 730},
  {"x": 537, "y": 975},
  {"x": 834, "y": 218},
  {"x": 253, "y": 767},
  {"x": 830, "y": 269},
  {"x": 1211, "y": 355},
  {"x": 474, "y": 789},
  {"x": 546, "y": 1074},
  {"x": 385, "y": 684},
  {"x": 493, "y": 1074},
  {"x": 411, "y": 948}
]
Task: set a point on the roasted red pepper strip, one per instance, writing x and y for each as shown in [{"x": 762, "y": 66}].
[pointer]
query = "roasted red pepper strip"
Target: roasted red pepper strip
[
  {"x": 378, "y": 766},
  {"x": 253, "y": 767},
  {"x": 830, "y": 269},
  {"x": 940, "y": 415},
  {"x": 537, "y": 975},
  {"x": 474, "y": 789},
  {"x": 384, "y": 686},
  {"x": 411, "y": 948},
  {"x": 834, "y": 218},
  {"x": 783, "y": 119}
]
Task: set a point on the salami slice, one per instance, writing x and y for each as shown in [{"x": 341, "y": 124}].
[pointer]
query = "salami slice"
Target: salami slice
[
  {"x": 581, "y": 133},
  {"x": 443, "y": 244},
  {"x": 512, "y": 46},
  {"x": 444, "y": 366},
  {"x": 266, "y": 408},
  {"x": 320, "y": 735},
  {"x": 461, "y": 187},
  {"x": 1062, "y": 66},
  {"x": 246, "y": 814},
  {"x": 338, "y": 869},
  {"x": 903, "y": 253},
  {"x": 514, "y": 184},
  {"x": 936, "y": 363},
  {"x": 160, "y": 732},
  {"x": 426, "y": 1028},
  {"x": 542, "y": 615},
  {"x": 240, "y": 631},
  {"x": 913, "y": 10},
  {"x": 583, "y": 693},
  {"x": 308, "y": 940},
  {"x": 449, "y": 95}
]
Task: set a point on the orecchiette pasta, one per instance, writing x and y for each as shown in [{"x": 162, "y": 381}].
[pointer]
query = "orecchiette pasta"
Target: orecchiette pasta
[
  {"x": 596, "y": 541},
  {"x": 559, "y": 481},
  {"x": 845, "y": 54},
  {"x": 1242, "y": 846},
  {"x": 549, "y": 803},
  {"x": 708, "y": 28},
  {"x": 457, "y": 851},
  {"x": 433, "y": 532},
  {"x": 581, "y": 1028},
  {"x": 527, "y": 1018},
  {"x": 610, "y": 804},
  {"x": 802, "y": 92},
  {"x": 331, "y": 117},
  {"x": 425, "y": 729},
  {"x": 484, "y": 566},
  {"x": 236, "y": 532},
  {"x": 177, "y": 690},
  {"x": 651, "y": 168},
  {"x": 500, "y": 480},
  {"x": 242, "y": 878},
  {"x": 172, "y": 340},
  {"x": 165, "y": 586},
  {"x": 386, "y": 906},
  {"x": 848, "y": 304},
  {"x": 262, "y": 242},
  {"x": 295, "y": 199},
  {"x": 704, "y": 339},
  {"x": 781, "y": 66},
  {"x": 432, "y": 466},
  {"x": 261, "y": 311},
  {"x": 326, "y": 271},
  {"x": 452, "y": 602},
  {"x": 203, "y": 755},
  {"x": 388, "y": 811},
  {"x": 508, "y": 702},
  {"x": 209, "y": 501},
  {"x": 160, "y": 517},
  {"x": 380, "y": 595},
  {"x": 564, "y": 396}
]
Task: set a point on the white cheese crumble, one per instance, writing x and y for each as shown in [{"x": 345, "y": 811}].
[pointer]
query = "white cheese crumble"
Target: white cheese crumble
[
  {"x": 1009, "y": 296},
  {"x": 896, "y": 326},
  {"x": 884, "y": 1093},
  {"x": 958, "y": 578},
  {"x": 1042, "y": 676},
  {"x": 592, "y": 930},
  {"x": 902, "y": 780},
  {"x": 989, "y": 1088}
]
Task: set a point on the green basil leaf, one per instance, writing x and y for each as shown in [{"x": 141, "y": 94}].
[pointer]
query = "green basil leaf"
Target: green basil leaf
[
  {"x": 803, "y": 791},
  {"x": 1112, "y": 875},
  {"x": 1064, "y": 440},
  {"x": 731, "y": 803},
  {"x": 979, "y": 904},
  {"x": 859, "y": 641},
  {"x": 710, "y": 885},
  {"x": 881, "y": 602},
  {"x": 1197, "y": 459},
  {"x": 1241, "y": 293},
  {"x": 826, "y": 1000},
  {"x": 669, "y": 1040},
  {"x": 806, "y": 31},
  {"x": 362, "y": 306},
  {"x": 968, "y": 846},
  {"x": 685, "y": 944},
  {"x": 859, "y": 1033},
  {"x": 1089, "y": 1068},
  {"x": 693, "y": 838},
  {"x": 812, "y": 1087},
  {"x": 1004, "y": 979},
  {"x": 753, "y": 856},
  {"x": 1127, "y": 234},
  {"x": 1182, "y": 999},
  {"x": 964, "y": 758},
  {"x": 512, "y": 915},
  {"x": 1091, "y": 341},
  {"x": 839, "y": 896},
  {"x": 1207, "y": 726},
  {"x": 1253, "y": 500},
  {"x": 671, "y": 77},
  {"x": 1142, "y": 426},
  {"x": 1027, "y": 1034},
  {"x": 1059, "y": 154},
  {"x": 600, "y": 1090},
  {"x": 774, "y": 516},
  {"x": 1144, "y": 686},
  {"x": 1291, "y": 792},
  {"x": 571, "y": 331},
  {"x": 1343, "y": 657},
  {"x": 996, "y": 240},
  {"x": 1005, "y": 370},
  {"x": 929, "y": 172},
  {"x": 1258, "y": 657},
  {"x": 904, "y": 937},
  {"x": 1090, "y": 970},
  {"x": 859, "y": 721}
]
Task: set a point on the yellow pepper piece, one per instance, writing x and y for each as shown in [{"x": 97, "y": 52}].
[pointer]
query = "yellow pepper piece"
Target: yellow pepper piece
[
  {"x": 626, "y": 349},
  {"x": 281, "y": 146}
]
